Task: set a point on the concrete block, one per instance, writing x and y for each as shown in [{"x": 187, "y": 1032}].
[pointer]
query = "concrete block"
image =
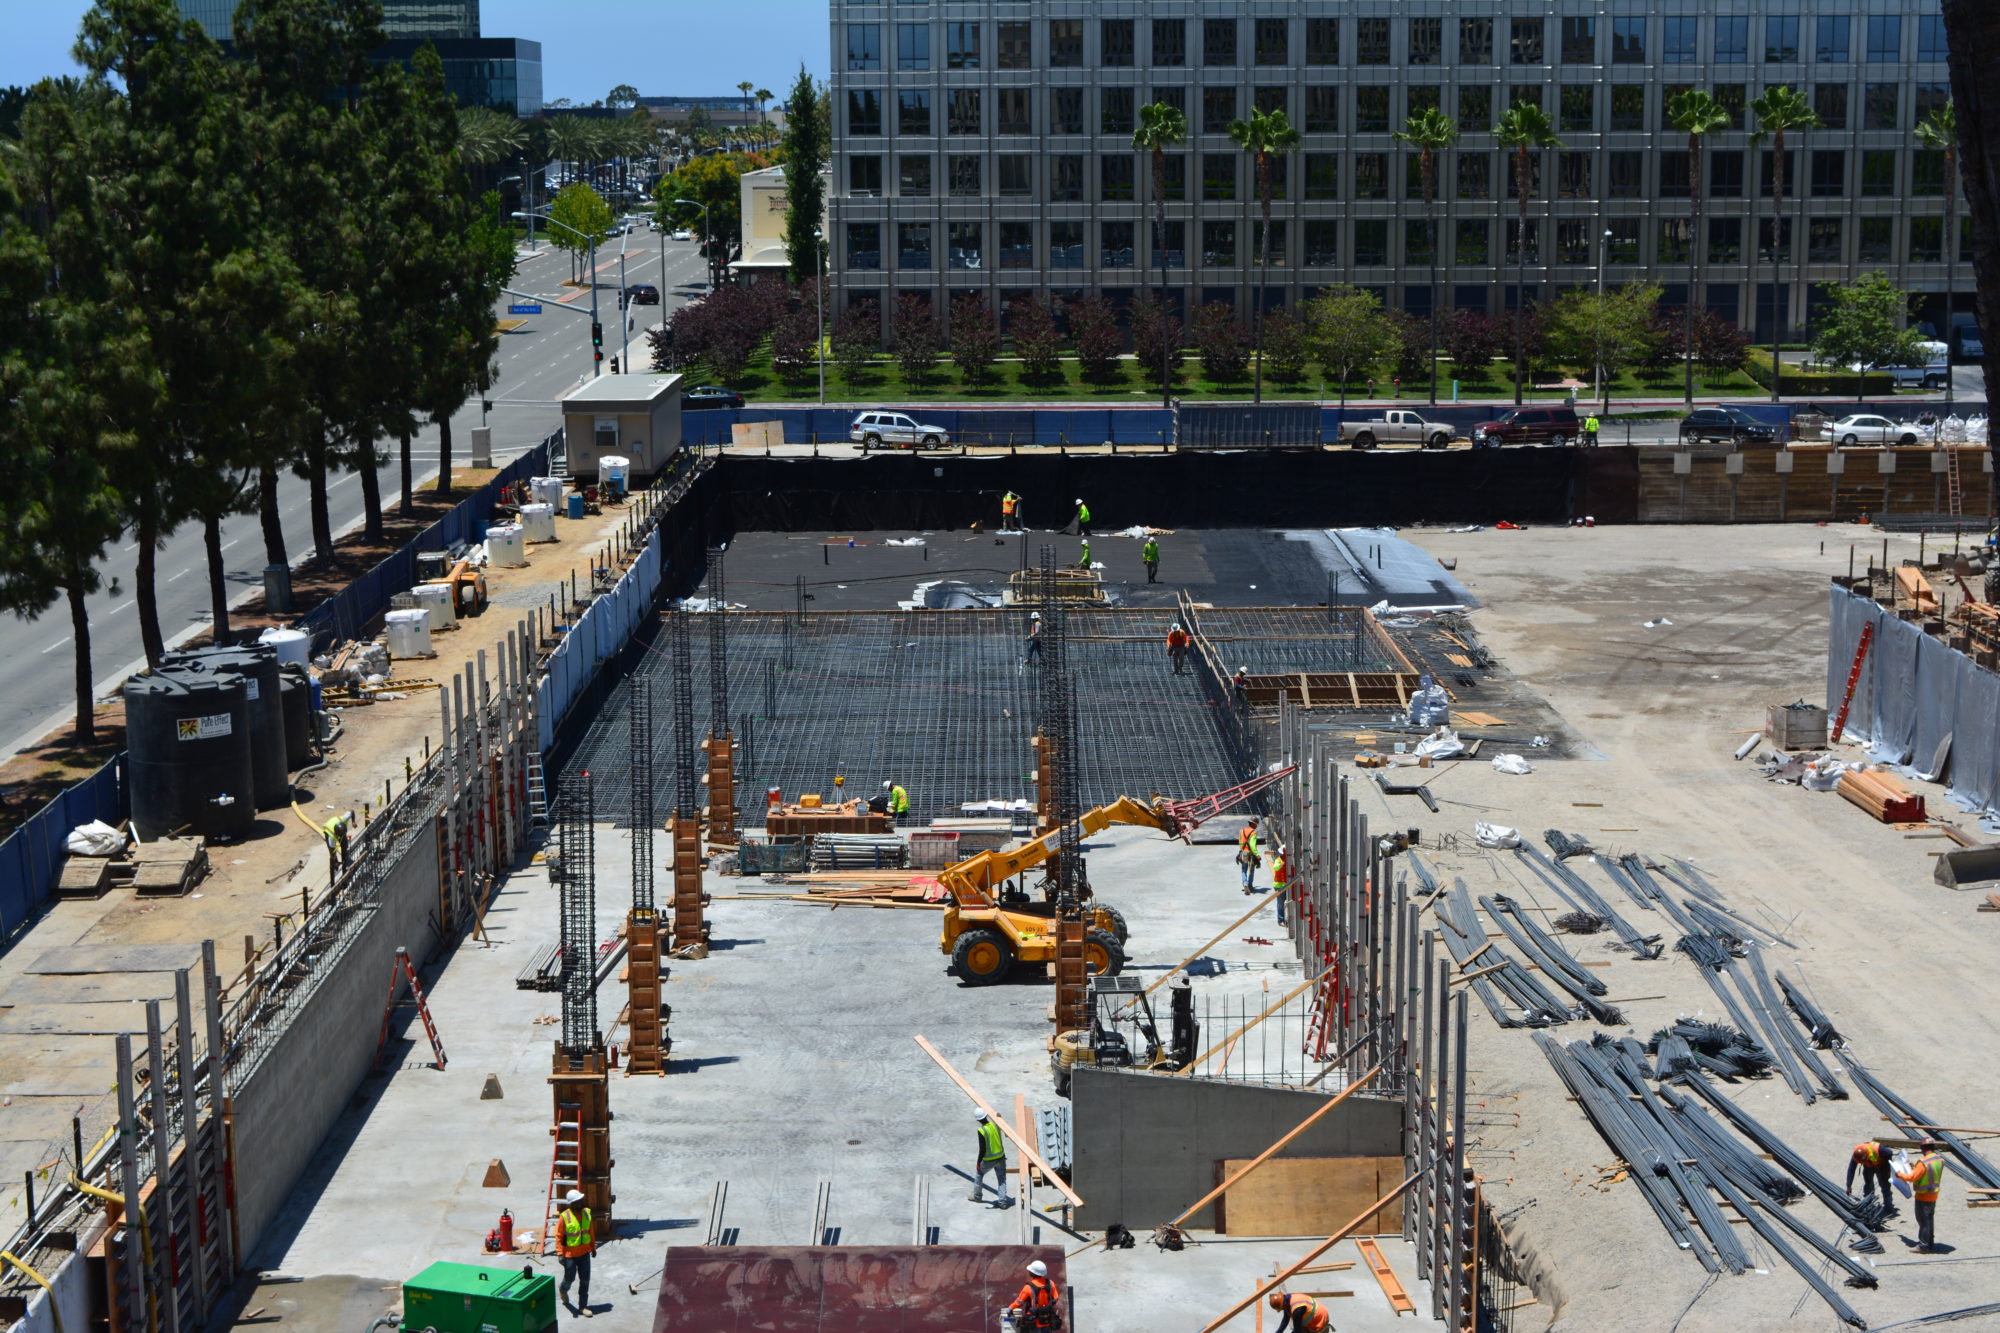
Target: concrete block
[
  {"x": 490, "y": 1090},
  {"x": 496, "y": 1176},
  {"x": 1836, "y": 462},
  {"x": 1885, "y": 462},
  {"x": 1732, "y": 465}
]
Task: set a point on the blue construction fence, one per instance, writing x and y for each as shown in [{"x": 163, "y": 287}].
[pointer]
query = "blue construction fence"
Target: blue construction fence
[
  {"x": 32, "y": 856},
  {"x": 353, "y": 610}
]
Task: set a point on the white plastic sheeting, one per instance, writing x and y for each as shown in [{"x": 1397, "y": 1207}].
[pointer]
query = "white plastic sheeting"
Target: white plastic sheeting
[{"x": 604, "y": 628}]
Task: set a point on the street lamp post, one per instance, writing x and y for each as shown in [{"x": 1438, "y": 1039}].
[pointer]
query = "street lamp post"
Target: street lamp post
[
  {"x": 707, "y": 237},
  {"x": 596, "y": 357},
  {"x": 819, "y": 305},
  {"x": 1603, "y": 382}
]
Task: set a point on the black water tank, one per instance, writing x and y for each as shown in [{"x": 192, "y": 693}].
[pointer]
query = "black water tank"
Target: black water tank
[
  {"x": 295, "y": 695},
  {"x": 187, "y": 741},
  {"x": 258, "y": 666}
]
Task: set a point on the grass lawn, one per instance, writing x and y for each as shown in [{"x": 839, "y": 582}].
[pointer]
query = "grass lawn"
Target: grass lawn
[{"x": 884, "y": 382}]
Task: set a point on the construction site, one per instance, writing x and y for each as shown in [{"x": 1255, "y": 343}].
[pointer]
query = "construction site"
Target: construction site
[{"x": 773, "y": 827}]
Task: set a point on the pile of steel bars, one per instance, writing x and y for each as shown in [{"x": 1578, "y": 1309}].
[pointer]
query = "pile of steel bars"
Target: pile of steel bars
[
  {"x": 1492, "y": 972},
  {"x": 1555, "y": 961},
  {"x": 1577, "y": 892}
]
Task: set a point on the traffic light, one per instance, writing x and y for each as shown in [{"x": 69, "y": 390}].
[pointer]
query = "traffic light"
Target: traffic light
[
  {"x": 596, "y": 341},
  {"x": 614, "y": 365}
]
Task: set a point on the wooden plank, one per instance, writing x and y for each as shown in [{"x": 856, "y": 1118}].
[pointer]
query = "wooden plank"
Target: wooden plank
[
  {"x": 1048, "y": 1172},
  {"x": 1354, "y": 689},
  {"x": 1399, "y": 1300},
  {"x": 1265, "y": 1156},
  {"x": 1305, "y": 690},
  {"x": 1295, "y": 1196},
  {"x": 1255, "y": 908}
]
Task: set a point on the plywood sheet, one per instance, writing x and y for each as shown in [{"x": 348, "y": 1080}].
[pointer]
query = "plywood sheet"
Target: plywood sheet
[
  {"x": 1308, "y": 1196},
  {"x": 116, "y": 958}
]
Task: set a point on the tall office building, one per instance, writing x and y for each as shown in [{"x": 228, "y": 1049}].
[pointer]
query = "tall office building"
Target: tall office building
[
  {"x": 988, "y": 147},
  {"x": 444, "y": 19}
]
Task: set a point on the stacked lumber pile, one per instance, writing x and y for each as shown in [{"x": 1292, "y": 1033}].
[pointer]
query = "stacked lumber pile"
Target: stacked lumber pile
[
  {"x": 1883, "y": 797},
  {"x": 168, "y": 867},
  {"x": 1915, "y": 590}
]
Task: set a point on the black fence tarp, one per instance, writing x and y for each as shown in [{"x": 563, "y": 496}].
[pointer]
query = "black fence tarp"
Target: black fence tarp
[{"x": 1250, "y": 426}]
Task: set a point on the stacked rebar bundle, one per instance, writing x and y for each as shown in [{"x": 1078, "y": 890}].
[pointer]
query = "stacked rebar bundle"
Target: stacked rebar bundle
[
  {"x": 859, "y": 851},
  {"x": 1509, "y": 991},
  {"x": 1556, "y": 963},
  {"x": 1574, "y": 890}
]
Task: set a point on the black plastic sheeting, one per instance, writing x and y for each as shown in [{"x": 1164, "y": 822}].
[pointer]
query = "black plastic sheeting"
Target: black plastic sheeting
[{"x": 1262, "y": 489}]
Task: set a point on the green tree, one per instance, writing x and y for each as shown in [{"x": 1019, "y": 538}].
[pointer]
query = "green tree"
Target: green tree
[
  {"x": 1697, "y": 115},
  {"x": 1862, "y": 325},
  {"x": 914, "y": 336},
  {"x": 805, "y": 153},
  {"x": 856, "y": 338},
  {"x": 1524, "y": 130},
  {"x": 1430, "y": 131},
  {"x": 1037, "y": 341},
  {"x": 1779, "y": 111},
  {"x": 1612, "y": 330},
  {"x": 583, "y": 221},
  {"x": 974, "y": 338},
  {"x": 763, "y": 96},
  {"x": 1161, "y": 126},
  {"x": 1938, "y": 133},
  {"x": 714, "y": 179},
  {"x": 1266, "y": 135},
  {"x": 1348, "y": 332},
  {"x": 622, "y": 96}
]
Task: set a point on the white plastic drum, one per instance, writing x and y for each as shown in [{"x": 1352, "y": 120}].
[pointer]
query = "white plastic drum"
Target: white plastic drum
[
  {"x": 294, "y": 646},
  {"x": 614, "y": 472},
  {"x": 538, "y": 523},
  {"x": 545, "y": 491},
  {"x": 409, "y": 633},
  {"x": 436, "y": 598},
  {"x": 504, "y": 546}
]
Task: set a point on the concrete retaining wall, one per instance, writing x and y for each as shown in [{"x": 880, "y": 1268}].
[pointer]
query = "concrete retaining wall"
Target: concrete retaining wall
[
  {"x": 1145, "y": 1145},
  {"x": 304, "y": 1082}
]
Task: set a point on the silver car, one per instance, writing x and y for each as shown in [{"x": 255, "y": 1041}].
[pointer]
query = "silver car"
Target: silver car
[
  {"x": 875, "y": 430},
  {"x": 1866, "y": 429}
]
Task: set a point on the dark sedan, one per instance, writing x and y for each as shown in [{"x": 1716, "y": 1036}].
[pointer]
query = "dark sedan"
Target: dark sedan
[
  {"x": 705, "y": 396},
  {"x": 642, "y": 293},
  {"x": 1730, "y": 425}
]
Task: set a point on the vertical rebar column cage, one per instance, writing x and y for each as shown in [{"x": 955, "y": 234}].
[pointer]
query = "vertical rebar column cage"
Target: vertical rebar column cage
[
  {"x": 681, "y": 652},
  {"x": 1058, "y": 717},
  {"x": 576, "y": 837},
  {"x": 718, "y": 646},
  {"x": 642, "y": 812}
]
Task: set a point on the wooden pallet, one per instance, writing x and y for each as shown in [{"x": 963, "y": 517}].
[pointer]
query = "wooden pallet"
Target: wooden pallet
[
  {"x": 168, "y": 867},
  {"x": 84, "y": 877}
]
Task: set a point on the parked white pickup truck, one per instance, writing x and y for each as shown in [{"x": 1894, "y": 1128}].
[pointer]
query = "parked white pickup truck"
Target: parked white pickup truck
[{"x": 1395, "y": 427}]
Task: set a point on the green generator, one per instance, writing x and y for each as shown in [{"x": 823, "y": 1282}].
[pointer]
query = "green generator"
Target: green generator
[{"x": 467, "y": 1298}]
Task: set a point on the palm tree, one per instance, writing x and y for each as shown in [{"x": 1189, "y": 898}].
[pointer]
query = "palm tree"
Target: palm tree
[
  {"x": 1697, "y": 115},
  {"x": 1778, "y": 110},
  {"x": 1160, "y": 127},
  {"x": 1524, "y": 128},
  {"x": 1938, "y": 132},
  {"x": 1430, "y": 132},
  {"x": 763, "y": 96},
  {"x": 1265, "y": 135}
]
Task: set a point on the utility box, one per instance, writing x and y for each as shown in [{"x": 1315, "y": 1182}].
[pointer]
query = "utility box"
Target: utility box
[
  {"x": 469, "y": 1298},
  {"x": 1797, "y": 726}
]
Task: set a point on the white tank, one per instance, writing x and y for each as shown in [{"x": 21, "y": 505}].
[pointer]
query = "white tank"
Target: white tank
[
  {"x": 436, "y": 598},
  {"x": 545, "y": 491},
  {"x": 614, "y": 472},
  {"x": 294, "y": 646},
  {"x": 538, "y": 523},
  {"x": 409, "y": 633},
  {"x": 504, "y": 546}
]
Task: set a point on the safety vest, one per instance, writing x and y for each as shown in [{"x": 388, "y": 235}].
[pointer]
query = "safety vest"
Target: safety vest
[
  {"x": 1008, "y": 501},
  {"x": 1868, "y": 1154},
  {"x": 1150, "y": 552},
  {"x": 1926, "y": 1177},
  {"x": 899, "y": 801},
  {"x": 1280, "y": 872},
  {"x": 1308, "y": 1315},
  {"x": 1590, "y": 424},
  {"x": 1083, "y": 513},
  {"x": 1177, "y": 639},
  {"x": 1037, "y": 1304},
  {"x": 577, "y": 1237},
  {"x": 989, "y": 1142},
  {"x": 1246, "y": 841}
]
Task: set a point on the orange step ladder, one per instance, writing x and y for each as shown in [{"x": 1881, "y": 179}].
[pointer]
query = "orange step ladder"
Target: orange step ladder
[
  {"x": 398, "y": 970},
  {"x": 1853, "y": 679}
]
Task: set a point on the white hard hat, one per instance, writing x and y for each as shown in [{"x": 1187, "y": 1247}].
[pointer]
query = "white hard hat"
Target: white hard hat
[
  {"x": 1034, "y": 615},
  {"x": 574, "y": 1196},
  {"x": 1079, "y": 499},
  {"x": 887, "y": 785},
  {"x": 979, "y": 1115},
  {"x": 1038, "y": 1269}
]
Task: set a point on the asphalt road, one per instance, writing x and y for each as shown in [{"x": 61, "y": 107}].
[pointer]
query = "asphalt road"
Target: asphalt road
[{"x": 537, "y": 362}]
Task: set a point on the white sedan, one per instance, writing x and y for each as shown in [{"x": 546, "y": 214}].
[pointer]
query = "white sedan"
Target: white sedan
[
  {"x": 1866, "y": 429},
  {"x": 683, "y": 235}
]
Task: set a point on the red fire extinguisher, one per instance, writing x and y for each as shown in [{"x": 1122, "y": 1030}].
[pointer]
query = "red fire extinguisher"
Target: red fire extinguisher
[{"x": 500, "y": 1240}]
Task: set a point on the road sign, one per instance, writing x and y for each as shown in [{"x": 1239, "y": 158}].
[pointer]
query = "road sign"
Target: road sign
[{"x": 524, "y": 310}]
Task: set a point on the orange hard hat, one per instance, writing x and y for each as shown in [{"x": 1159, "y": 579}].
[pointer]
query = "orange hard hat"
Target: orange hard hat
[{"x": 1279, "y": 1300}]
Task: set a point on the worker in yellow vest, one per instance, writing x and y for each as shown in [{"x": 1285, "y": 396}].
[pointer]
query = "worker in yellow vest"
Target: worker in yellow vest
[
  {"x": 993, "y": 1158},
  {"x": 1926, "y": 1177},
  {"x": 1248, "y": 855},
  {"x": 576, "y": 1241},
  {"x": 1082, "y": 519},
  {"x": 1281, "y": 879},
  {"x": 898, "y": 801},
  {"x": 1302, "y": 1314}
]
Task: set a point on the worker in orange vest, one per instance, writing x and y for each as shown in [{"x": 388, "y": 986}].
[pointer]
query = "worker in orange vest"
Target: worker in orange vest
[
  {"x": 1248, "y": 854},
  {"x": 1872, "y": 1161},
  {"x": 1036, "y": 1308},
  {"x": 1010, "y": 505},
  {"x": 1177, "y": 649},
  {"x": 1302, "y": 1314},
  {"x": 576, "y": 1241},
  {"x": 1925, "y": 1176}
]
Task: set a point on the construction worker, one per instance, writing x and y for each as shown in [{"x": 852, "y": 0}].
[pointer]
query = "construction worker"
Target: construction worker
[
  {"x": 1037, "y": 1307},
  {"x": 1178, "y": 644},
  {"x": 575, "y": 1243},
  {"x": 1150, "y": 555},
  {"x": 1239, "y": 685},
  {"x": 1083, "y": 560},
  {"x": 992, "y": 1157},
  {"x": 1082, "y": 519},
  {"x": 898, "y": 803},
  {"x": 1871, "y": 1159},
  {"x": 335, "y": 833},
  {"x": 1302, "y": 1314},
  {"x": 1010, "y": 512},
  {"x": 1281, "y": 876},
  {"x": 1248, "y": 855},
  {"x": 1034, "y": 653},
  {"x": 1925, "y": 1175},
  {"x": 1590, "y": 428}
]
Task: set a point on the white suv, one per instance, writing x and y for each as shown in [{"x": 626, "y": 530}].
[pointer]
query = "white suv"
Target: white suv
[{"x": 873, "y": 430}]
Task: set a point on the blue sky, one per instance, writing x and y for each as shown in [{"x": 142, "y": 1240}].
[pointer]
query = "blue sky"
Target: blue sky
[{"x": 677, "y": 47}]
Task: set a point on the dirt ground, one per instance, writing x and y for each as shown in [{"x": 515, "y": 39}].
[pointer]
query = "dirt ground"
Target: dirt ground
[{"x": 1896, "y": 961}]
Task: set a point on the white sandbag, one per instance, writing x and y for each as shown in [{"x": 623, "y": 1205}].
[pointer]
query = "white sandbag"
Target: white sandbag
[
  {"x": 1440, "y": 744},
  {"x": 1823, "y": 774},
  {"x": 1511, "y": 763},
  {"x": 94, "y": 839},
  {"x": 1495, "y": 835}
]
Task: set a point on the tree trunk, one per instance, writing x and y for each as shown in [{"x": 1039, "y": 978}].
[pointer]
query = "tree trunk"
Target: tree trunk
[
  {"x": 268, "y": 517},
  {"x": 1160, "y": 247},
  {"x": 218, "y": 585},
  {"x": 1430, "y": 219},
  {"x": 408, "y": 472},
  {"x": 79, "y": 628},
  {"x": 1694, "y": 259},
  {"x": 1950, "y": 262},
  {"x": 1777, "y": 223},
  {"x": 1521, "y": 276},
  {"x": 443, "y": 420},
  {"x": 371, "y": 494},
  {"x": 1263, "y": 273},
  {"x": 322, "y": 516},
  {"x": 145, "y": 589}
]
